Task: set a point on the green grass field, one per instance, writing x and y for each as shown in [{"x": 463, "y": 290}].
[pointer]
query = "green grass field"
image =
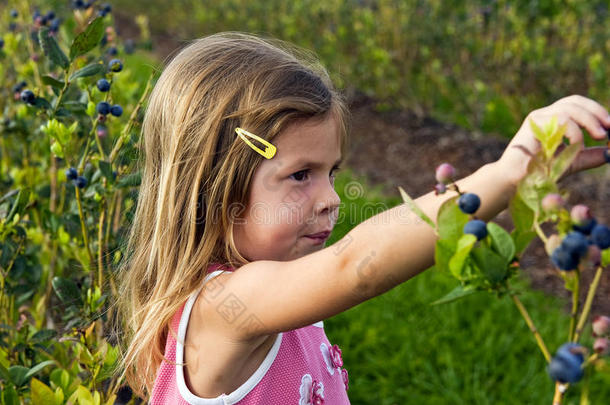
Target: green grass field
[{"x": 400, "y": 350}]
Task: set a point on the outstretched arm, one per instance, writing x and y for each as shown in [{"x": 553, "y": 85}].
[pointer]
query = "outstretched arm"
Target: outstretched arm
[{"x": 395, "y": 245}]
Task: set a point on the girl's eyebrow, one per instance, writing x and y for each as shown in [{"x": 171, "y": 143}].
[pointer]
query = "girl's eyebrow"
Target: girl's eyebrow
[{"x": 314, "y": 165}]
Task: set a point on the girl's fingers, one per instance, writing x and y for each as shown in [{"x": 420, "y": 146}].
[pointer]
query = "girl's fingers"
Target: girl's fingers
[
  {"x": 593, "y": 107},
  {"x": 574, "y": 134},
  {"x": 584, "y": 118},
  {"x": 589, "y": 158}
]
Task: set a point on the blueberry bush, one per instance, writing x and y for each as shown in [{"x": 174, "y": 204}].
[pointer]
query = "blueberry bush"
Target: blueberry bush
[
  {"x": 485, "y": 257},
  {"x": 481, "y": 64},
  {"x": 71, "y": 109}
]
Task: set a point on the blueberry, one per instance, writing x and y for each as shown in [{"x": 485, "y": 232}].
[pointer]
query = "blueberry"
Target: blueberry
[
  {"x": 129, "y": 46},
  {"x": 575, "y": 243},
  {"x": 12, "y": 27},
  {"x": 116, "y": 110},
  {"x": 80, "y": 182},
  {"x": 50, "y": 15},
  {"x": 565, "y": 369},
  {"x": 106, "y": 7},
  {"x": 114, "y": 174},
  {"x": 469, "y": 203},
  {"x": 28, "y": 96},
  {"x": 71, "y": 173},
  {"x": 103, "y": 85},
  {"x": 607, "y": 155},
  {"x": 101, "y": 13},
  {"x": 115, "y": 65},
  {"x": 566, "y": 365},
  {"x": 476, "y": 227},
  {"x": 112, "y": 51},
  {"x": 600, "y": 235},
  {"x": 1, "y": 43},
  {"x": 14, "y": 13},
  {"x": 78, "y": 4},
  {"x": 55, "y": 24},
  {"x": 102, "y": 108},
  {"x": 563, "y": 259}
]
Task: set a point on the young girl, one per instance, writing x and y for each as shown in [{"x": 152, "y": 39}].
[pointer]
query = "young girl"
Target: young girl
[{"x": 229, "y": 280}]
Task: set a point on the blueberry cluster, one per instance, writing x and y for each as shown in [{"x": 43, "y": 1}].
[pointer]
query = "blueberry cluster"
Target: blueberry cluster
[
  {"x": 104, "y": 108},
  {"x": 575, "y": 246},
  {"x": 566, "y": 365},
  {"x": 79, "y": 181},
  {"x": 41, "y": 20}
]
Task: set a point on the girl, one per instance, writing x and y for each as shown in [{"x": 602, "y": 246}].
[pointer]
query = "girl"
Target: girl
[{"x": 228, "y": 279}]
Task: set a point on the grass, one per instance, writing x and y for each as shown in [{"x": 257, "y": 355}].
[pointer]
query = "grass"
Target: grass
[{"x": 400, "y": 350}]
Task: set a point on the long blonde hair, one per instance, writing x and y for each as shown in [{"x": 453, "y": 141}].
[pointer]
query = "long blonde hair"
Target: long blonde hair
[{"x": 193, "y": 171}]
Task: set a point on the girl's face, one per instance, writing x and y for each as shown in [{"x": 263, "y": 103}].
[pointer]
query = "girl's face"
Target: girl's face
[{"x": 292, "y": 194}]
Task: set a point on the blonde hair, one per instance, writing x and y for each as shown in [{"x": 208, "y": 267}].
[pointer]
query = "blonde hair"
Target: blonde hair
[{"x": 193, "y": 170}]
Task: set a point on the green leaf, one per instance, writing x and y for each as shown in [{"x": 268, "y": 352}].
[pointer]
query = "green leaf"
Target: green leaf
[
  {"x": 51, "y": 49},
  {"x": 550, "y": 137},
  {"x": 89, "y": 70},
  {"x": 521, "y": 214},
  {"x": 105, "y": 168},
  {"x": 562, "y": 162},
  {"x": 66, "y": 290},
  {"x": 42, "y": 103},
  {"x": 41, "y": 393},
  {"x": 457, "y": 262},
  {"x": 455, "y": 294},
  {"x": 60, "y": 378},
  {"x": 9, "y": 395},
  {"x": 443, "y": 253},
  {"x": 130, "y": 180},
  {"x": 42, "y": 335},
  {"x": 451, "y": 220},
  {"x": 522, "y": 239},
  {"x": 53, "y": 82},
  {"x": 605, "y": 257},
  {"x": 501, "y": 241},
  {"x": 491, "y": 264},
  {"x": 84, "y": 396},
  {"x": 88, "y": 39},
  {"x": 38, "y": 367},
  {"x": 413, "y": 207},
  {"x": 17, "y": 374}
]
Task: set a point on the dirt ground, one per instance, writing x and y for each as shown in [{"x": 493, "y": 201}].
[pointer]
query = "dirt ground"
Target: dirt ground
[{"x": 398, "y": 148}]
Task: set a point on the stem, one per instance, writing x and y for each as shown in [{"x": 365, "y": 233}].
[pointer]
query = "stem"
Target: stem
[
  {"x": 532, "y": 327},
  {"x": 589, "y": 301},
  {"x": 560, "y": 389},
  {"x": 575, "y": 297},
  {"x": 538, "y": 229},
  {"x": 82, "y": 224},
  {"x": 100, "y": 245}
]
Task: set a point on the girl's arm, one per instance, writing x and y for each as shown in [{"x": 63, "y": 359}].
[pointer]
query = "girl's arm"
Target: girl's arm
[{"x": 266, "y": 297}]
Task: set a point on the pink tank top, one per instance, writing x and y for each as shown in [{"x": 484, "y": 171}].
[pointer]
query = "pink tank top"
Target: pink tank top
[{"x": 301, "y": 368}]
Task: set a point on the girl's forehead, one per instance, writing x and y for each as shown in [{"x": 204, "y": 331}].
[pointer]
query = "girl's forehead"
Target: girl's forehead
[{"x": 307, "y": 140}]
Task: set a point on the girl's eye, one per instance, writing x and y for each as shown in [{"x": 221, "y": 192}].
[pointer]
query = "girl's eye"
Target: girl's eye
[{"x": 299, "y": 176}]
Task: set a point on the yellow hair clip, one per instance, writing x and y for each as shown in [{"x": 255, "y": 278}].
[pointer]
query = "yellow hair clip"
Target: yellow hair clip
[{"x": 270, "y": 149}]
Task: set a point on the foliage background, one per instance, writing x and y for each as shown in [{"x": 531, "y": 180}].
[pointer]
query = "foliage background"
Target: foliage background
[{"x": 480, "y": 64}]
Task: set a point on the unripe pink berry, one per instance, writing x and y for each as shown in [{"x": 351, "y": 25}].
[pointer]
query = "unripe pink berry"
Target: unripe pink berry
[
  {"x": 552, "y": 243},
  {"x": 440, "y": 188},
  {"x": 601, "y": 346},
  {"x": 552, "y": 202},
  {"x": 102, "y": 132},
  {"x": 445, "y": 173},
  {"x": 580, "y": 214},
  {"x": 601, "y": 325}
]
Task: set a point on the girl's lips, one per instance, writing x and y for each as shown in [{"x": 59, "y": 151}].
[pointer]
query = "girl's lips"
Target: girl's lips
[{"x": 320, "y": 235}]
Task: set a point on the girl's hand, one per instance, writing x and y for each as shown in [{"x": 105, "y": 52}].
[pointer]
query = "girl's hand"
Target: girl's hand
[{"x": 577, "y": 111}]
